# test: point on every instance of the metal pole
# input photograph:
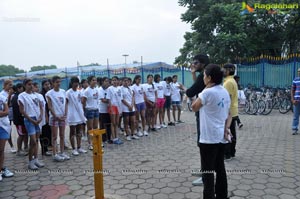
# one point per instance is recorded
(108, 72)
(97, 159)
(142, 68)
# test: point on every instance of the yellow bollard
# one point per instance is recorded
(97, 157)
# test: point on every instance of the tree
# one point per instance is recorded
(220, 30)
(9, 70)
(37, 68)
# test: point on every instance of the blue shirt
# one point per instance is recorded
(296, 88)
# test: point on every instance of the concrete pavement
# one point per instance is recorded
(160, 166)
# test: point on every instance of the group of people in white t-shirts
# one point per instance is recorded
(90, 104)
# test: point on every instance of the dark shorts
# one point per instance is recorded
(167, 102)
(30, 127)
(21, 130)
(92, 114)
(140, 106)
(176, 103)
(126, 114)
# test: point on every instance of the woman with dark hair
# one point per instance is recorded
(32, 109)
(19, 122)
(167, 105)
(213, 104)
(160, 85)
(75, 116)
(114, 94)
(90, 100)
(45, 137)
(140, 105)
(150, 96)
(58, 111)
(8, 92)
(104, 117)
(82, 86)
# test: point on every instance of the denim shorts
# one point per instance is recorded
(31, 128)
(140, 106)
(92, 114)
(177, 103)
(3, 134)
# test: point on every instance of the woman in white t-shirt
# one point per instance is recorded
(5, 129)
(215, 119)
(167, 105)
(83, 85)
(105, 122)
(176, 87)
(75, 116)
(90, 100)
(32, 109)
(140, 105)
(128, 108)
(115, 109)
(58, 111)
(160, 102)
(150, 99)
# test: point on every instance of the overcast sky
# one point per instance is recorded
(62, 32)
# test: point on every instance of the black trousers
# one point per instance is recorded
(45, 138)
(212, 161)
(230, 147)
(105, 123)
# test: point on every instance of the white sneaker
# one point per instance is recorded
(135, 137)
(32, 166)
(6, 173)
(13, 150)
(157, 127)
(90, 147)
(140, 134)
(128, 138)
(80, 150)
(65, 156)
(0, 177)
(38, 163)
(58, 158)
(146, 133)
(75, 152)
(164, 126)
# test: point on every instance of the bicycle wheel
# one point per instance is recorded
(261, 106)
(252, 107)
(268, 108)
(285, 106)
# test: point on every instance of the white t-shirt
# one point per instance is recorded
(150, 90)
(4, 121)
(127, 94)
(58, 100)
(31, 104)
(160, 89)
(103, 107)
(213, 113)
(92, 98)
(4, 93)
(175, 90)
(42, 100)
(114, 94)
(167, 89)
(75, 110)
(138, 93)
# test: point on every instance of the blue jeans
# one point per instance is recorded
(296, 116)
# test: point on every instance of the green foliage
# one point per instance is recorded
(37, 68)
(9, 70)
(219, 30)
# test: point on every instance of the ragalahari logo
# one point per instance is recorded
(246, 9)
(271, 8)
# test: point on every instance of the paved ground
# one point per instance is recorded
(160, 166)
